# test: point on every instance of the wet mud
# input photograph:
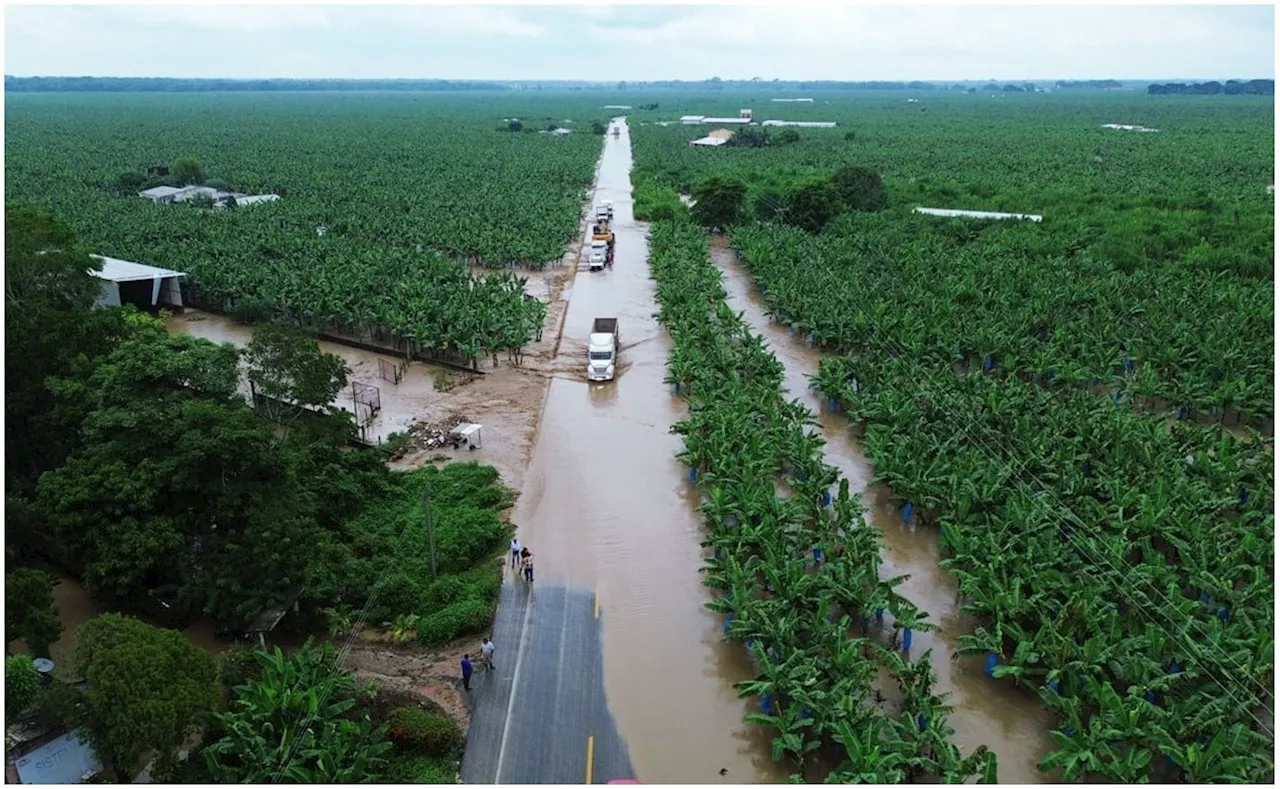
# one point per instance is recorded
(1008, 720)
(606, 504)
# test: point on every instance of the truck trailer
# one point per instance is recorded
(602, 349)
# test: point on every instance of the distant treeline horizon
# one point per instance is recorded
(195, 85)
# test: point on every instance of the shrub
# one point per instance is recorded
(422, 770)
(445, 591)
(237, 665)
(457, 619)
(248, 310)
(21, 685)
(418, 731)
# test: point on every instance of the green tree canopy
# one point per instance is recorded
(788, 137)
(750, 137)
(179, 487)
(718, 202)
(49, 330)
(287, 365)
(860, 188)
(30, 612)
(186, 170)
(147, 688)
(813, 204)
(21, 685)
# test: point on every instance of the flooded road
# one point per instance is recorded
(606, 504)
(1011, 722)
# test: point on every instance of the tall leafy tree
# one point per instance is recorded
(21, 685)
(718, 202)
(186, 170)
(30, 612)
(179, 487)
(286, 365)
(147, 689)
(860, 188)
(49, 330)
(812, 204)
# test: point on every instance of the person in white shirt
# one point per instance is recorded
(515, 552)
(486, 654)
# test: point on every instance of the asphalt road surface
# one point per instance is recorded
(541, 716)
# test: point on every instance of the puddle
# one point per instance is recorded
(606, 504)
(1009, 721)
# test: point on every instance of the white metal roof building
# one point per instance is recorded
(692, 118)
(791, 100)
(739, 121)
(160, 194)
(125, 282)
(810, 124)
(977, 214)
(710, 141)
(254, 199)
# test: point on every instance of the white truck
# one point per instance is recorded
(602, 349)
(597, 255)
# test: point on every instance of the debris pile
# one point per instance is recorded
(432, 435)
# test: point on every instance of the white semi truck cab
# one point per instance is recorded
(602, 349)
(597, 255)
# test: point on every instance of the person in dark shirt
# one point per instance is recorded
(466, 672)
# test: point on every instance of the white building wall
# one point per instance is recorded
(110, 296)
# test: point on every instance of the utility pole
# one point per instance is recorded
(431, 531)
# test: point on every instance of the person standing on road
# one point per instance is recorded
(466, 672)
(486, 653)
(515, 552)
(528, 567)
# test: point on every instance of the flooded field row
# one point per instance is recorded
(1011, 722)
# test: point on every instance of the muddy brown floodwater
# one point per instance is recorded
(1009, 721)
(506, 401)
(606, 504)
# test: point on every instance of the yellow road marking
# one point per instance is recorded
(591, 756)
(597, 605)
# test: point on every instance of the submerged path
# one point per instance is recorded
(1009, 721)
(608, 513)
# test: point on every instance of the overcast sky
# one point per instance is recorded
(643, 42)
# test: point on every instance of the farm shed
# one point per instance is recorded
(146, 287)
(977, 214)
(808, 124)
(562, 132)
(709, 142)
(727, 121)
(617, 106)
(1127, 127)
(780, 101)
(160, 194)
(692, 119)
(252, 199)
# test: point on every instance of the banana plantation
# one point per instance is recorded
(1083, 408)
(796, 570)
(382, 197)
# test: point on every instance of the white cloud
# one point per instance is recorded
(459, 20)
(224, 18)
(650, 42)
